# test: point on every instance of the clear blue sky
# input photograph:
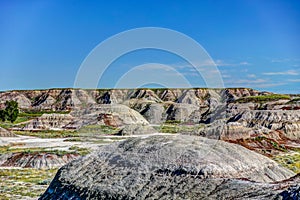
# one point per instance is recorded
(256, 43)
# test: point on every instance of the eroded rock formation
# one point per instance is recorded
(36, 160)
(50, 122)
(66, 99)
(6, 133)
(169, 167)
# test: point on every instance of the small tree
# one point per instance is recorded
(2, 115)
(11, 111)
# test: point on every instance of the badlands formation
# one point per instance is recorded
(221, 147)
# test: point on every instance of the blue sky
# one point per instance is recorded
(254, 43)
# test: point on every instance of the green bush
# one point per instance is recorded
(2, 115)
(10, 112)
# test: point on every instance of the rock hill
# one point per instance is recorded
(155, 105)
(36, 160)
(227, 114)
(66, 99)
(169, 167)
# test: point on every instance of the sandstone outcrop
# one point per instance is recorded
(169, 167)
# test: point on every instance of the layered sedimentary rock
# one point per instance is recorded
(36, 160)
(102, 114)
(220, 111)
(50, 122)
(287, 121)
(253, 122)
(169, 167)
(108, 114)
(6, 133)
(66, 99)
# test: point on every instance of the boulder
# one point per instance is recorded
(168, 167)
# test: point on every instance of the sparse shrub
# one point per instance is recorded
(173, 122)
(263, 98)
(295, 100)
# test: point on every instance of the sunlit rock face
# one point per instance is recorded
(66, 99)
(121, 107)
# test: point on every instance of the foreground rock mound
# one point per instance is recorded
(167, 167)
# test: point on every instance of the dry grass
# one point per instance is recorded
(21, 183)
